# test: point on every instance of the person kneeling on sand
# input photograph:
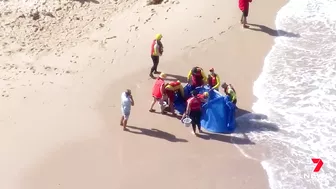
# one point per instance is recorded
(126, 102)
(196, 77)
(157, 92)
(230, 91)
(193, 111)
(170, 90)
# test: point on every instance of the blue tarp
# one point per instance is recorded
(218, 114)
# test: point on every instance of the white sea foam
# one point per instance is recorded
(297, 92)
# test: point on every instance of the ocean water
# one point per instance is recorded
(295, 114)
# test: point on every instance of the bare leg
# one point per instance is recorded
(172, 110)
(122, 121)
(245, 22)
(152, 105)
(241, 19)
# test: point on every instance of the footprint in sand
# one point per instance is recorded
(74, 58)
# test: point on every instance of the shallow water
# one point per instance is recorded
(297, 92)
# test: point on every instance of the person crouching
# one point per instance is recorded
(170, 90)
(194, 105)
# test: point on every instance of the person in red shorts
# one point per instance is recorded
(244, 7)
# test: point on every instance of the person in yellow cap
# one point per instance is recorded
(157, 92)
(196, 77)
(170, 90)
(213, 79)
(156, 52)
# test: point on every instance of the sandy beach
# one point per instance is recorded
(60, 103)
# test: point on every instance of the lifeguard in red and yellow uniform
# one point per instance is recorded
(170, 90)
(156, 52)
(196, 77)
(213, 79)
(158, 91)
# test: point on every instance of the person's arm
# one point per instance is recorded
(181, 90)
(189, 76)
(232, 94)
(132, 100)
(162, 89)
(188, 109)
(205, 78)
(217, 84)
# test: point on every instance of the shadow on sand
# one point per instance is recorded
(247, 122)
(270, 31)
(226, 138)
(179, 117)
(182, 79)
(155, 133)
(87, 1)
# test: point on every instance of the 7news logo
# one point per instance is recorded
(318, 163)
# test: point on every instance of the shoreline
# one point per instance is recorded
(80, 131)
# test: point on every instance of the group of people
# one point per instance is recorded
(164, 93)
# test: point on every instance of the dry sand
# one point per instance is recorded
(60, 106)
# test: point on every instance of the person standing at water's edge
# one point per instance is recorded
(127, 102)
(156, 52)
(230, 91)
(244, 7)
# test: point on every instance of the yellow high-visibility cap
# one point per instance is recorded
(163, 75)
(158, 36)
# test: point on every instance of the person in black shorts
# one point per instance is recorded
(194, 112)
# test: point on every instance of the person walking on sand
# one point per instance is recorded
(156, 52)
(126, 102)
(157, 92)
(244, 7)
(193, 111)
(213, 79)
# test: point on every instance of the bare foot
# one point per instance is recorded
(245, 26)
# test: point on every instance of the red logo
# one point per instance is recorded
(319, 164)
